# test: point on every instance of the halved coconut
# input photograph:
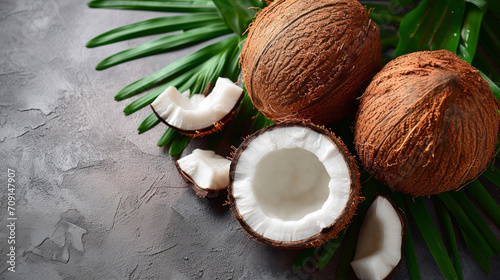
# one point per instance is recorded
(206, 172)
(198, 115)
(380, 241)
(293, 185)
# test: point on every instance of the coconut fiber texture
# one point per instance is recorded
(308, 59)
(427, 123)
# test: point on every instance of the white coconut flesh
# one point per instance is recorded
(378, 249)
(197, 112)
(290, 183)
(207, 169)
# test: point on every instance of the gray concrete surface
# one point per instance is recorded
(95, 200)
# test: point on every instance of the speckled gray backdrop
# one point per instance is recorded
(95, 200)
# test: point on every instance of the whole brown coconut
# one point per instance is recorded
(427, 123)
(308, 59)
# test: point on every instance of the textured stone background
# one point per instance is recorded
(95, 199)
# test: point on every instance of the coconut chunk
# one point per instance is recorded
(293, 185)
(206, 171)
(380, 241)
(198, 115)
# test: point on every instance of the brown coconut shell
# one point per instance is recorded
(427, 123)
(201, 192)
(308, 59)
(217, 126)
(328, 232)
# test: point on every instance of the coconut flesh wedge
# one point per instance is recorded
(380, 241)
(206, 172)
(293, 185)
(198, 115)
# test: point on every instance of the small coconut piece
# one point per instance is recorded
(427, 123)
(293, 185)
(198, 115)
(206, 172)
(380, 241)
(308, 59)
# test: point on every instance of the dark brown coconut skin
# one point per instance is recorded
(328, 232)
(427, 123)
(204, 130)
(308, 59)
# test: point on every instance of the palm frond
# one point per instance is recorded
(165, 44)
(152, 27)
(156, 5)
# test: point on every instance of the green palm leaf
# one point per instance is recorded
(238, 14)
(155, 5)
(165, 44)
(447, 226)
(431, 236)
(433, 25)
(470, 33)
(147, 99)
(175, 68)
(485, 200)
(476, 252)
(152, 27)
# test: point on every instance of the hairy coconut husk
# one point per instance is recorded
(427, 123)
(329, 231)
(308, 59)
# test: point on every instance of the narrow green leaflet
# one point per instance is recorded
(485, 200)
(469, 34)
(148, 123)
(493, 175)
(329, 250)
(409, 247)
(447, 226)
(493, 86)
(477, 219)
(152, 27)
(165, 44)
(431, 236)
(489, 43)
(487, 56)
(237, 14)
(387, 15)
(433, 25)
(465, 222)
(175, 68)
(260, 121)
(232, 71)
(147, 99)
(178, 145)
(167, 137)
(481, 4)
(476, 252)
(155, 5)
(304, 257)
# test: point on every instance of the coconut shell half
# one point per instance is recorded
(205, 172)
(199, 114)
(293, 185)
